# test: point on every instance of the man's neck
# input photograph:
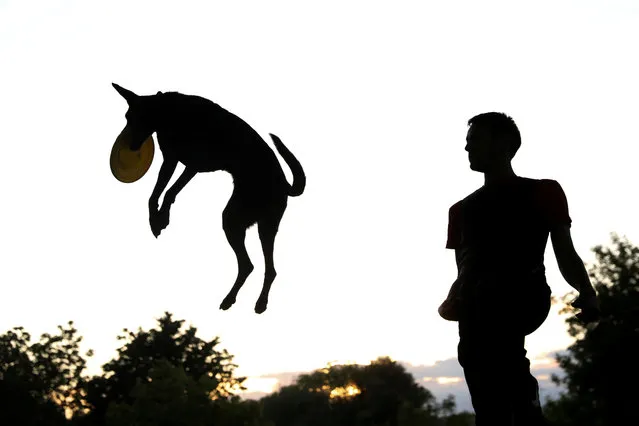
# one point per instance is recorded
(500, 175)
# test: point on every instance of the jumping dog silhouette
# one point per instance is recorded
(205, 137)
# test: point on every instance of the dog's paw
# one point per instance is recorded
(159, 221)
(155, 226)
(227, 302)
(260, 306)
(153, 223)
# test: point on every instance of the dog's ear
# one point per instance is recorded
(126, 94)
(158, 93)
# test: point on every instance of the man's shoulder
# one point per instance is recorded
(542, 181)
(458, 205)
(541, 185)
(466, 198)
(455, 207)
(538, 182)
(475, 194)
(548, 187)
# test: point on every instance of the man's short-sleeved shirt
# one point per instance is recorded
(505, 226)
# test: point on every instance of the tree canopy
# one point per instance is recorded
(381, 393)
(600, 368)
(168, 376)
(169, 351)
(41, 382)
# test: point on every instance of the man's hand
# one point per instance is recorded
(589, 304)
(449, 309)
(574, 272)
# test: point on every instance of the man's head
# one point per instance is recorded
(492, 141)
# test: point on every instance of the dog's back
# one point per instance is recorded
(203, 135)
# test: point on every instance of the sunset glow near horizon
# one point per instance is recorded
(371, 97)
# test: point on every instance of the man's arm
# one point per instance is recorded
(456, 286)
(449, 309)
(573, 270)
(570, 264)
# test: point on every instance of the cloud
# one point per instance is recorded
(447, 377)
(443, 378)
(285, 378)
(253, 395)
(445, 368)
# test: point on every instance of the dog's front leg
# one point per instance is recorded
(164, 177)
(169, 198)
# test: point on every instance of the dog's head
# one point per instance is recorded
(140, 118)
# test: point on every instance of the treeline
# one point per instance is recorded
(168, 376)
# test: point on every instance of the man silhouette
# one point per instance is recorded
(499, 234)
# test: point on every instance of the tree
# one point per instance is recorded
(388, 388)
(600, 367)
(40, 382)
(381, 393)
(172, 398)
(447, 413)
(296, 406)
(125, 377)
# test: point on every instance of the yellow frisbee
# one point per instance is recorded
(128, 166)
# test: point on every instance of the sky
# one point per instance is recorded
(372, 97)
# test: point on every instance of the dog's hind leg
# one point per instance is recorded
(235, 230)
(267, 229)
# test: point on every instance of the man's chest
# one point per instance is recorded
(507, 215)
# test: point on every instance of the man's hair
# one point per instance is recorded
(499, 125)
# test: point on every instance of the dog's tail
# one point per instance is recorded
(299, 178)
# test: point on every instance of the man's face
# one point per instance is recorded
(484, 152)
